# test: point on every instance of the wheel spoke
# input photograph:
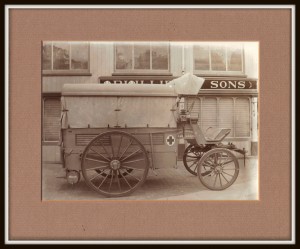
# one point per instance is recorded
(112, 149)
(99, 167)
(224, 177)
(133, 153)
(124, 179)
(192, 164)
(97, 174)
(100, 155)
(104, 180)
(216, 158)
(131, 141)
(133, 176)
(227, 174)
(118, 181)
(206, 173)
(220, 180)
(208, 163)
(112, 177)
(226, 162)
(211, 160)
(137, 160)
(132, 168)
(215, 181)
(104, 148)
(120, 145)
(195, 168)
(95, 160)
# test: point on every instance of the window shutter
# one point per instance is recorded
(242, 117)
(226, 114)
(209, 113)
(52, 112)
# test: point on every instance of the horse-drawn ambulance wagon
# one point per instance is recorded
(113, 134)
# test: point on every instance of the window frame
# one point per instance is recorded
(211, 72)
(141, 71)
(70, 71)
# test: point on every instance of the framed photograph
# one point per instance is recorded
(172, 126)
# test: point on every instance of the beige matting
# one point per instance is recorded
(266, 219)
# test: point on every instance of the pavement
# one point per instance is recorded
(169, 184)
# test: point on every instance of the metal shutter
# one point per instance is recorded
(209, 113)
(52, 112)
(242, 117)
(226, 114)
(194, 106)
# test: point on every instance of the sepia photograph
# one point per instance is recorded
(150, 120)
(150, 124)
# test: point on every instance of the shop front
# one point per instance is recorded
(222, 102)
(228, 97)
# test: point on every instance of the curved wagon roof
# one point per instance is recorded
(187, 84)
(118, 90)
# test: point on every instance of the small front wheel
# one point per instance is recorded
(218, 169)
(191, 157)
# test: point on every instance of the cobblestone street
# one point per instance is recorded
(169, 184)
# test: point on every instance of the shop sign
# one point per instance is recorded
(229, 84)
(208, 84)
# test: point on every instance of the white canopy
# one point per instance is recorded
(187, 84)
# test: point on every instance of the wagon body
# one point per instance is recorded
(148, 112)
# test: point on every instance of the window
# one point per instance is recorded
(51, 119)
(218, 58)
(142, 57)
(222, 112)
(65, 57)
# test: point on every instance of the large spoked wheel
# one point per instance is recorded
(114, 164)
(191, 156)
(218, 169)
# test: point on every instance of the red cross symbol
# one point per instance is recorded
(170, 140)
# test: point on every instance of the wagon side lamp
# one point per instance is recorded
(73, 177)
(184, 116)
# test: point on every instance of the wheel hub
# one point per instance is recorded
(115, 164)
(218, 169)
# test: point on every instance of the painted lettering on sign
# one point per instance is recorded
(229, 84)
(134, 82)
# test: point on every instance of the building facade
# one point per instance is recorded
(227, 99)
